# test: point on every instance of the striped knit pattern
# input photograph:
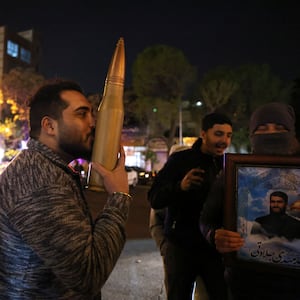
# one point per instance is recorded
(49, 246)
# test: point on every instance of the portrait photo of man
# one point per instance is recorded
(277, 223)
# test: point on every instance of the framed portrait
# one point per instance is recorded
(262, 203)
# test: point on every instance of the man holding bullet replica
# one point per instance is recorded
(50, 246)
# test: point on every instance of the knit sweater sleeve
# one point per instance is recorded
(80, 253)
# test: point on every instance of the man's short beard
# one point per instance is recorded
(279, 213)
(76, 151)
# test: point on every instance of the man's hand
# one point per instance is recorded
(115, 180)
(228, 241)
(194, 178)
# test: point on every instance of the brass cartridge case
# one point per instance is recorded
(109, 119)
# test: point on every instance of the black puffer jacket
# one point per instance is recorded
(184, 207)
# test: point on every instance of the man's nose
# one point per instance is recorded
(226, 140)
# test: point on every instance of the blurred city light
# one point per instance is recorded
(1, 154)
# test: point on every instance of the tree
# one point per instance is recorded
(19, 84)
(216, 88)
(238, 92)
(257, 86)
(161, 78)
(295, 102)
(17, 87)
(132, 118)
(95, 100)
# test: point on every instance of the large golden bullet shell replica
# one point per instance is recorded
(109, 120)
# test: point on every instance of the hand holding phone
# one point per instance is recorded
(193, 179)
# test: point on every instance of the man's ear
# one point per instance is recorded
(48, 125)
(202, 133)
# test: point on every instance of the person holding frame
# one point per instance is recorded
(272, 132)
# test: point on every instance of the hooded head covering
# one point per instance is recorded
(282, 143)
(273, 112)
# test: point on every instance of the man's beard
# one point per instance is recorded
(273, 143)
(74, 147)
(75, 150)
(282, 211)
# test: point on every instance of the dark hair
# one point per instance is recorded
(280, 194)
(47, 102)
(214, 118)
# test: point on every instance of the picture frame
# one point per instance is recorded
(249, 181)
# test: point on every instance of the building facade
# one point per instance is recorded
(19, 49)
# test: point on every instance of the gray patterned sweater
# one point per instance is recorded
(49, 246)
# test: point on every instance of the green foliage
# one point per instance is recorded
(10, 153)
(216, 93)
(133, 116)
(20, 84)
(161, 72)
(295, 102)
(238, 92)
(151, 155)
(257, 85)
(161, 79)
(17, 87)
(240, 139)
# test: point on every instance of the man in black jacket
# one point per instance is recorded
(181, 186)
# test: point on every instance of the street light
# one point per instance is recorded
(184, 104)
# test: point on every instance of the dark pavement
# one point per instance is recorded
(138, 274)
(137, 224)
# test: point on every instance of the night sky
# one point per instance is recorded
(79, 38)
